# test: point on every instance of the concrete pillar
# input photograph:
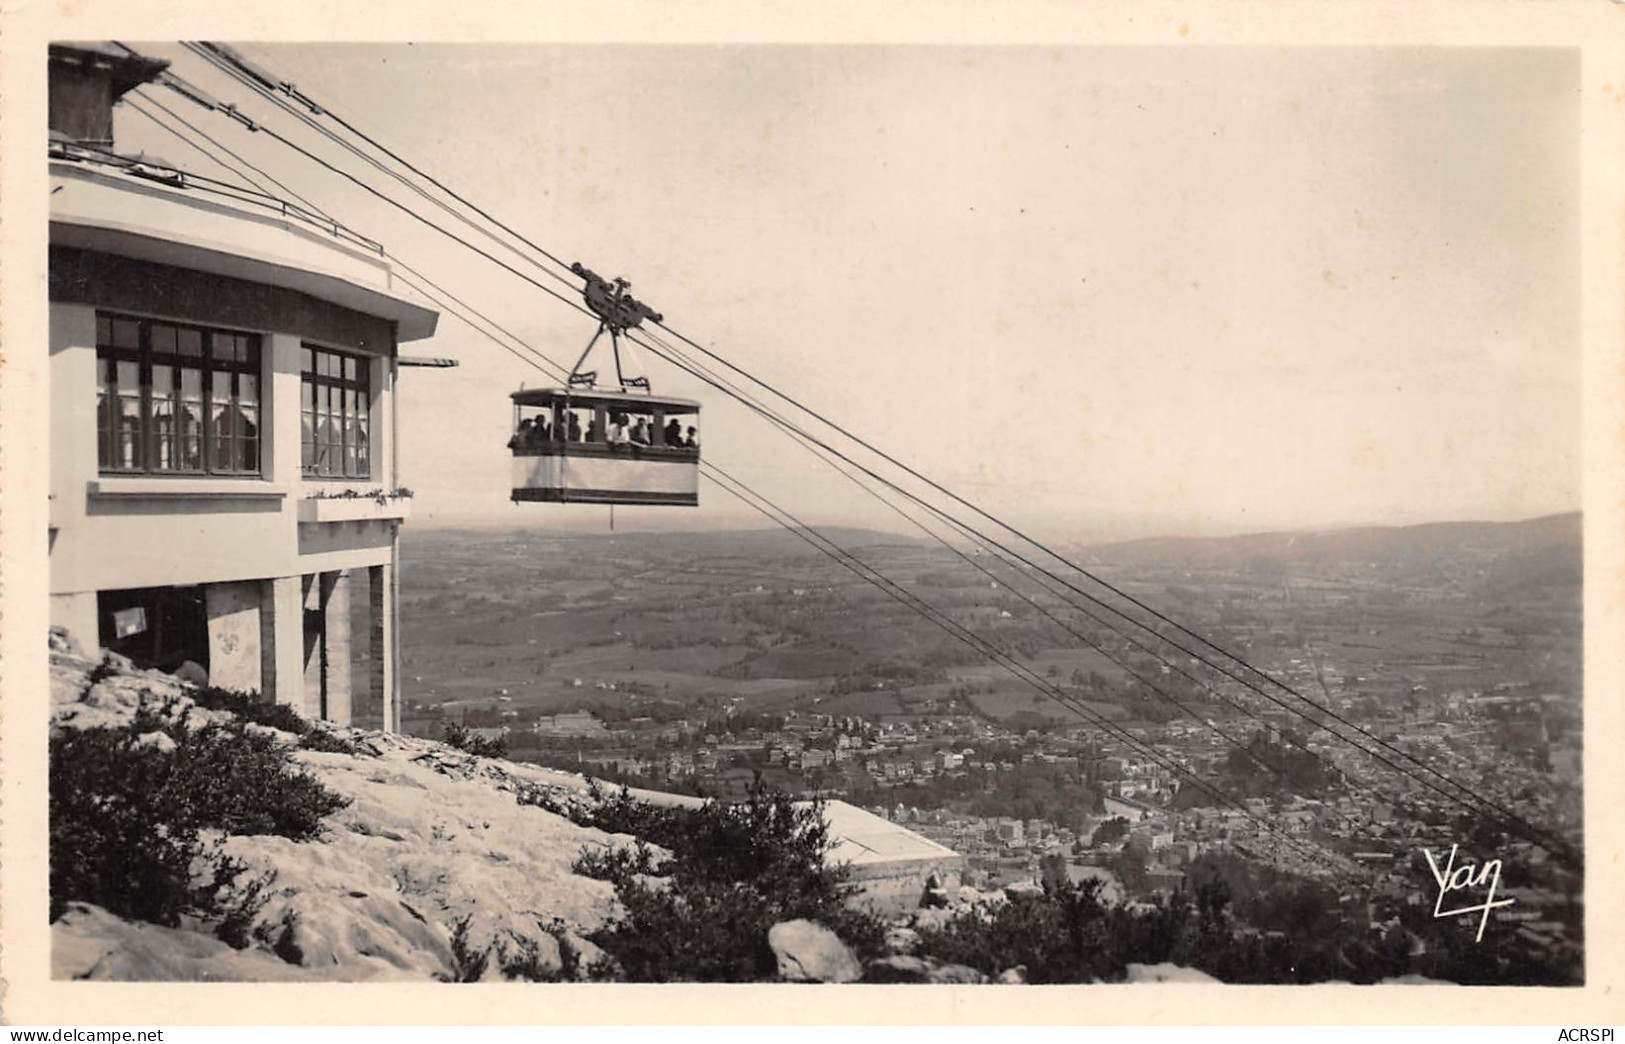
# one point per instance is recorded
(314, 588)
(234, 635)
(382, 638)
(337, 641)
(282, 640)
(76, 613)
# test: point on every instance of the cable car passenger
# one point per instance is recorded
(673, 433)
(640, 431)
(522, 436)
(574, 426)
(693, 440)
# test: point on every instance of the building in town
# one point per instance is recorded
(223, 364)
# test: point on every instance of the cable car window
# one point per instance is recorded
(575, 425)
(534, 432)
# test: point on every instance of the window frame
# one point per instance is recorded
(208, 362)
(316, 410)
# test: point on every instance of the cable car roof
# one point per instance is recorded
(632, 401)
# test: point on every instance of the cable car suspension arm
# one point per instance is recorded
(617, 312)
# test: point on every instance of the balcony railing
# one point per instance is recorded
(174, 177)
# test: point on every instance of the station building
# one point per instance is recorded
(223, 433)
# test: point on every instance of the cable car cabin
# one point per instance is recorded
(599, 447)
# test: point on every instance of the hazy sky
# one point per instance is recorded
(1106, 291)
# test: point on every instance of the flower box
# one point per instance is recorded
(353, 509)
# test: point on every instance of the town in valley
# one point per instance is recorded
(706, 663)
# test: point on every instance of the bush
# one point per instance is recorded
(519, 959)
(468, 964)
(523, 960)
(248, 706)
(457, 736)
(735, 871)
(128, 804)
(1292, 931)
(1065, 935)
(327, 742)
(236, 925)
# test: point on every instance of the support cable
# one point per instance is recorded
(947, 623)
(699, 370)
(177, 117)
(1512, 821)
(1471, 795)
(231, 67)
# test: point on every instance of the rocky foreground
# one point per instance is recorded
(434, 871)
(432, 837)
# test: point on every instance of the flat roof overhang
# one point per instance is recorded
(158, 230)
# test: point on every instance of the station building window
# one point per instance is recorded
(176, 399)
(335, 414)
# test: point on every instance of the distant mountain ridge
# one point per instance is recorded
(707, 542)
(1548, 531)
(1506, 561)
(1554, 537)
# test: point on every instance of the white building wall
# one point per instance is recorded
(77, 615)
(149, 531)
(249, 542)
(71, 448)
(73, 409)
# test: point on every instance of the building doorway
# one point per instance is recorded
(156, 627)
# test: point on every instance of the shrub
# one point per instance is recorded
(248, 706)
(110, 843)
(457, 736)
(281, 938)
(240, 782)
(735, 871)
(468, 964)
(523, 960)
(236, 927)
(128, 804)
(1065, 935)
(328, 742)
(519, 959)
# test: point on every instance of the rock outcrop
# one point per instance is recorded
(433, 840)
(809, 952)
(87, 942)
